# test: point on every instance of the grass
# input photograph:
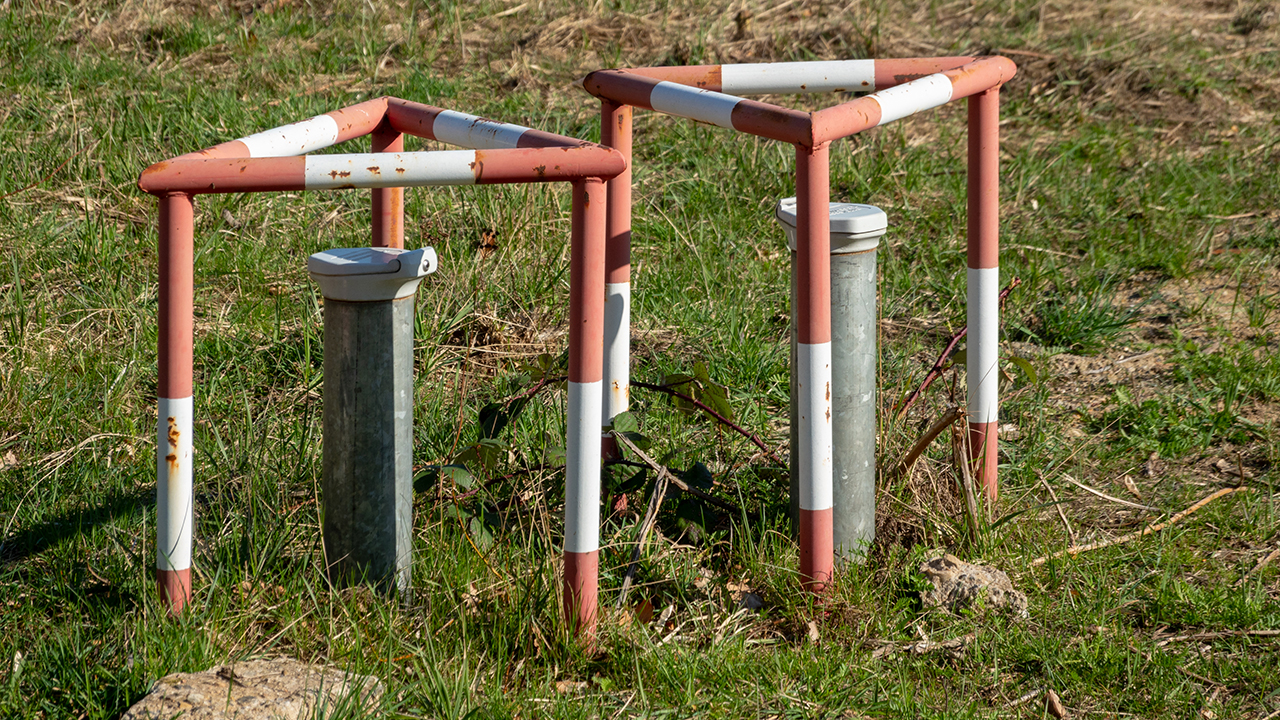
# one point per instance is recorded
(1139, 149)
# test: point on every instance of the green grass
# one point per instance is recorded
(1137, 208)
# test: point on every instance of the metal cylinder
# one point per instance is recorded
(855, 236)
(368, 411)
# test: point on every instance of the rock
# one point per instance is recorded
(958, 585)
(279, 689)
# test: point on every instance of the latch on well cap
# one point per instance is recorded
(370, 274)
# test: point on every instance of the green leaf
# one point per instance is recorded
(640, 441)
(491, 452)
(700, 372)
(716, 397)
(625, 422)
(480, 533)
(493, 418)
(459, 475)
(1024, 365)
(960, 357)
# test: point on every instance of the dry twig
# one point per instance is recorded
(755, 439)
(642, 535)
(950, 416)
(1105, 496)
(1261, 564)
(1157, 527)
(696, 492)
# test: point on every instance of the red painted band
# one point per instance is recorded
(229, 149)
(360, 119)
(175, 588)
(177, 289)
(703, 77)
(586, 282)
(813, 245)
(817, 549)
(622, 87)
(773, 122)
(981, 74)
(984, 180)
(387, 203)
(615, 132)
(897, 71)
(984, 452)
(845, 119)
(581, 593)
(410, 117)
(547, 164)
(224, 175)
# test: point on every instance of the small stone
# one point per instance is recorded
(279, 689)
(958, 585)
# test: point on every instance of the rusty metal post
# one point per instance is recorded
(368, 410)
(174, 508)
(982, 368)
(387, 203)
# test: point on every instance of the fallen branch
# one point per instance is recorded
(660, 469)
(950, 350)
(1218, 635)
(642, 535)
(1071, 535)
(960, 455)
(1105, 496)
(920, 647)
(1261, 564)
(755, 439)
(950, 416)
(1157, 527)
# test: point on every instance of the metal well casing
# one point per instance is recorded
(368, 410)
(855, 236)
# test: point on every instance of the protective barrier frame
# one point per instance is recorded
(898, 88)
(276, 160)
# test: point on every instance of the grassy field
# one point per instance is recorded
(1139, 196)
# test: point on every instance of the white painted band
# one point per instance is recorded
(617, 350)
(299, 138)
(983, 354)
(813, 378)
(927, 92)
(582, 469)
(799, 77)
(173, 484)
(375, 170)
(688, 102)
(470, 131)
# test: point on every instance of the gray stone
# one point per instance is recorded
(958, 585)
(279, 689)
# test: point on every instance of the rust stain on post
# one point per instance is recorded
(174, 435)
(375, 169)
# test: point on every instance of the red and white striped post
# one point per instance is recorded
(275, 160)
(899, 87)
(583, 453)
(615, 132)
(813, 364)
(175, 511)
(984, 285)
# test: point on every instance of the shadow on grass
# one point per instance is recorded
(53, 532)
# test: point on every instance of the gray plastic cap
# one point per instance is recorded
(854, 227)
(370, 274)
